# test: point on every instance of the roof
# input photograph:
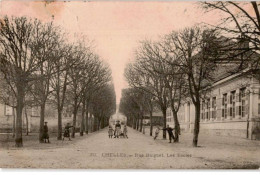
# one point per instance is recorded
(156, 113)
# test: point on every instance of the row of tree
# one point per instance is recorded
(182, 65)
(39, 65)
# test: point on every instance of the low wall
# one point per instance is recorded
(52, 123)
(6, 123)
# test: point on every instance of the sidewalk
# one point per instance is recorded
(32, 141)
(216, 148)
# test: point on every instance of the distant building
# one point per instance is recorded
(157, 119)
(7, 118)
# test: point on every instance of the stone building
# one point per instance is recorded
(7, 118)
(157, 118)
(32, 116)
(230, 107)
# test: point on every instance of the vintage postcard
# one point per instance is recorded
(129, 84)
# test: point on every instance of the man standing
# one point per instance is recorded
(169, 129)
(45, 133)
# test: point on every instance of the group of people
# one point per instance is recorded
(117, 132)
(46, 137)
(169, 130)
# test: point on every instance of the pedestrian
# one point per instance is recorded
(45, 135)
(156, 133)
(125, 132)
(110, 132)
(169, 129)
(67, 131)
(117, 129)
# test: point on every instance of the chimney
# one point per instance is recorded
(243, 42)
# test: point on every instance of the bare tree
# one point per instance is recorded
(19, 64)
(130, 106)
(176, 83)
(76, 76)
(241, 19)
(195, 50)
(143, 74)
(96, 77)
(104, 105)
(240, 23)
(59, 79)
(44, 47)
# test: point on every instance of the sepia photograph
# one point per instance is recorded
(129, 85)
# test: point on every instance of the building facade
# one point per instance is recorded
(231, 107)
(157, 119)
(30, 118)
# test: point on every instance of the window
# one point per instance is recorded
(233, 104)
(202, 110)
(224, 106)
(8, 110)
(214, 108)
(208, 109)
(258, 108)
(242, 99)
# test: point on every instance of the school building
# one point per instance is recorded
(231, 107)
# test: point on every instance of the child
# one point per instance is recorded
(110, 132)
(125, 131)
(157, 130)
(67, 131)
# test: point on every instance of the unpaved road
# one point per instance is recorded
(140, 151)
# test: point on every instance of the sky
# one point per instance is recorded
(116, 28)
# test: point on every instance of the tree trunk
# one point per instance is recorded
(151, 123)
(133, 123)
(137, 124)
(19, 110)
(164, 122)
(141, 123)
(74, 123)
(99, 123)
(92, 123)
(90, 129)
(42, 115)
(102, 122)
(86, 122)
(95, 124)
(196, 125)
(27, 123)
(82, 118)
(13, 122)
(176, 126)
(59, 124)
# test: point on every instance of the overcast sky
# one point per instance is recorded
(115, 27)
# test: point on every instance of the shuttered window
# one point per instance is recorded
(243, 101)
(224, 106)
(214, 108)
